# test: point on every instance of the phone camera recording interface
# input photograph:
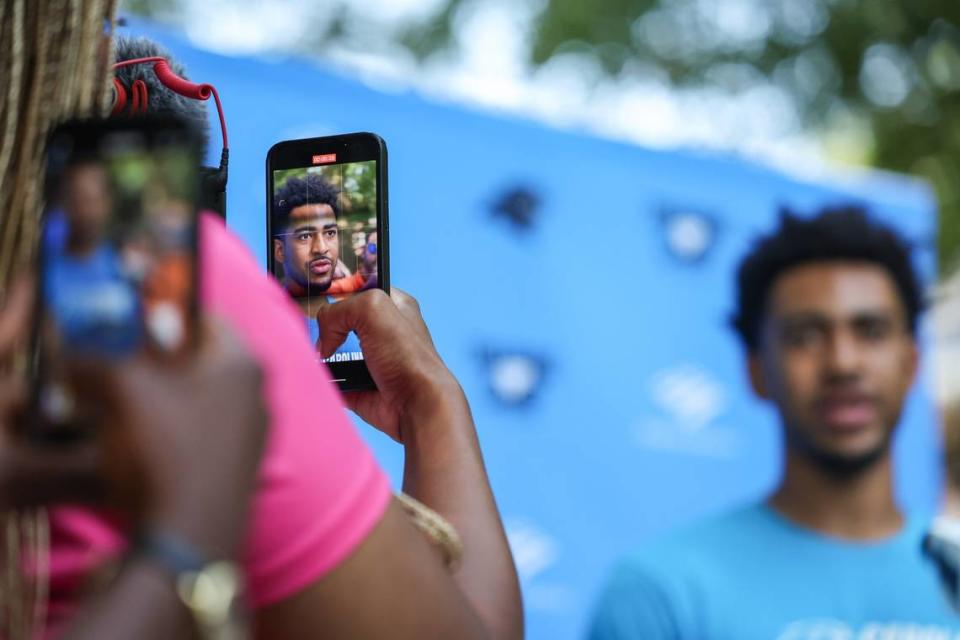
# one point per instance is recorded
(117, 255)
(326, 233)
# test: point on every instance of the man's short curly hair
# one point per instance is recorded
(834, 234)
(296, 192)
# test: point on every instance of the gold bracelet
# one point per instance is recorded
(438, 530)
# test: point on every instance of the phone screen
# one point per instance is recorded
(326, 233)
(117, 272)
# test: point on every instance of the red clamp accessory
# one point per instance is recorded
(170, 80)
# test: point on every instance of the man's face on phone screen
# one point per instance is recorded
(87, 203)
(309, 249)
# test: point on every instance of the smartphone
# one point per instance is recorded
(327, 231)
(117, 272)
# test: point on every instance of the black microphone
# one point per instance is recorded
(162, 101)
(213, 189)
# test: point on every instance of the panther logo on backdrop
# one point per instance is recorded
(690, 395)
(688, 401)
(688, 235)
(535, 552)
(514, 378)
(519, 206)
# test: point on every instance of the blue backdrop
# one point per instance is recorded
(579, 289)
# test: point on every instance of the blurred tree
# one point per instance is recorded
(878, 81)
(891, 67)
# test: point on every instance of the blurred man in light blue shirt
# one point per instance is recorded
(827, 310)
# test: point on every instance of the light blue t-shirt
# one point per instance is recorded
(96, 307)
(751, 574)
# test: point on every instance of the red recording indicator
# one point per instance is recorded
(324, 158)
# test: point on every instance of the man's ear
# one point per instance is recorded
(758, 380)
(278, 252)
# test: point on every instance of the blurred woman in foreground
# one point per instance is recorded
(252, 466)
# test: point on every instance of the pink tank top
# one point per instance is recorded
(320, 491)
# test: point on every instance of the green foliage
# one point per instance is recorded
(433, 34)
(834, 57)
(883, 75)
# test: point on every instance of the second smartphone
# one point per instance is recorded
(118, 260)
(327, 231)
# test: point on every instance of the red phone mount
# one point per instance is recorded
(171, 81)
(215, 179)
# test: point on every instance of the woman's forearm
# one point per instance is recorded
(444, 470)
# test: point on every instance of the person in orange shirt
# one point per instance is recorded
(366, 275)
(168, 283)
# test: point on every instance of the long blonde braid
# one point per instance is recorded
(53, 65)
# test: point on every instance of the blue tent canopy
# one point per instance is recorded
(579, 288)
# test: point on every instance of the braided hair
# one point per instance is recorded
(56, 66)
